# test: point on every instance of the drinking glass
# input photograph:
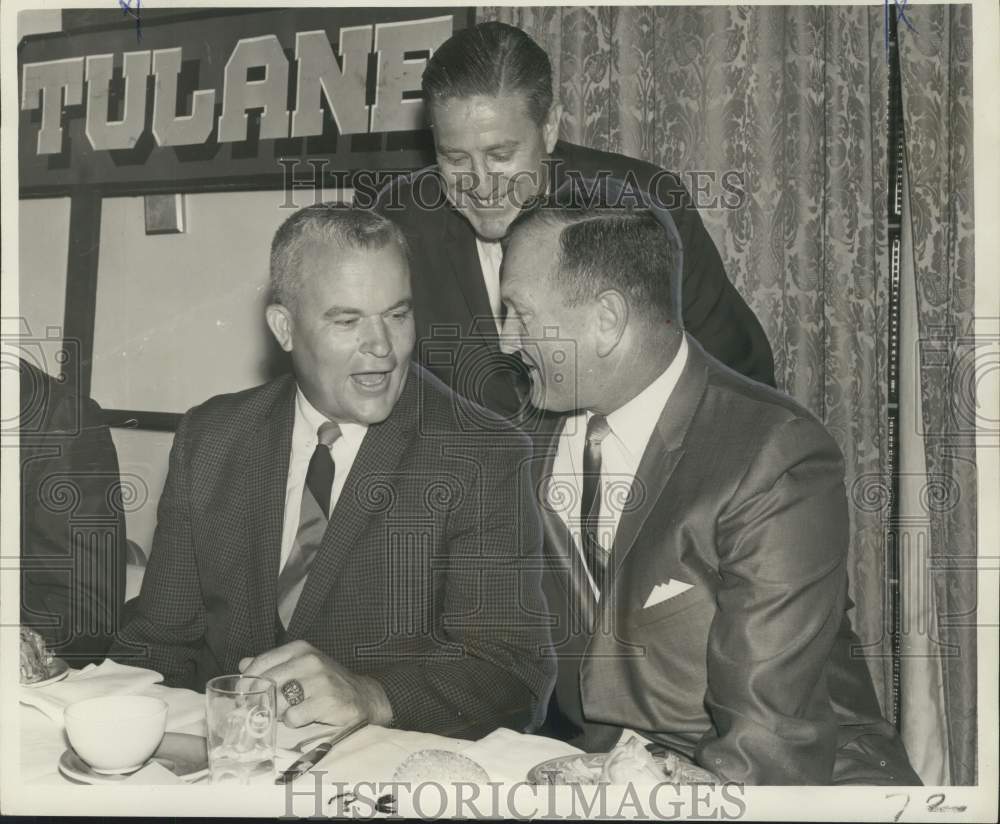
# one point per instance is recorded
(241, 715)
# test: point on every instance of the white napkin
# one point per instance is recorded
(185, 708)
(374, 753)
(370, 754)
(93, 681)
(507, 755)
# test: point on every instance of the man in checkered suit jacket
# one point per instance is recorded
(422, 606)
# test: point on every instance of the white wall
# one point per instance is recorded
(180, 317)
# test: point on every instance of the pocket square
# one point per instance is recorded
(666, 591)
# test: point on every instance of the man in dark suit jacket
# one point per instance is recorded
(696, 525)
(489, 93)
(416, 601)
(73, 549)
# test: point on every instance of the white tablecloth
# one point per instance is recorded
(372, 754)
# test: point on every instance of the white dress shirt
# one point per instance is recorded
(344, 450)
(621, 451)
(490, 258)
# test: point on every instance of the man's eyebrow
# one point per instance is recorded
(341, 310)
(350, 310)
(512, 143)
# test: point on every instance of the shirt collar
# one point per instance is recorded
(633, 423)
(308, 420)
(491, 248)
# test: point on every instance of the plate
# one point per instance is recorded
(186, 756)
(586, 769)
(58, 670)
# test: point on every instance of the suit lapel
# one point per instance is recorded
(462, 254)
(380, 455)
(665, 449)
(267, 477)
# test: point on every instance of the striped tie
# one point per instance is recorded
(313, 516)
(590, 504)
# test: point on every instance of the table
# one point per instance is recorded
(351, 781)
(371, 754)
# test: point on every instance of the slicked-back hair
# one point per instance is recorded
(332, 223)
(626, 249)
(494, 60)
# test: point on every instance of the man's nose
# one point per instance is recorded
(375, 338)
(484, 181)
(510, 336)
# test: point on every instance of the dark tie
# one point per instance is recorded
(313, 517)
(590, 502)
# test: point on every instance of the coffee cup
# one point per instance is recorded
(116, 733)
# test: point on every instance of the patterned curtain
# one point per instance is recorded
(793, 102)
(936, 60)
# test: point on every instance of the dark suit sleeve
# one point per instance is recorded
(489, 669)
(782, 555)
(168, 627)
(73, 531)
(714, 311)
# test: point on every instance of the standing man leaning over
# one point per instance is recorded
(695, 524)
(351, 530)
(496, 127)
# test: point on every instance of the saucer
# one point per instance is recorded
(58, 670)
(186, 756)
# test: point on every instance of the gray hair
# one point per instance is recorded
(335, 223)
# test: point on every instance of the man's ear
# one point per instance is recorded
(612, 320)
(550, 129)
(279, 320)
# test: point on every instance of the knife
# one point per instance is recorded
(316, 754)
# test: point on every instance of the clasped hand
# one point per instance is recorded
(333, 694)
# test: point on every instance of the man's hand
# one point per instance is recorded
(333, 694)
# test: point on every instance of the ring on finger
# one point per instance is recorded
(293, 692)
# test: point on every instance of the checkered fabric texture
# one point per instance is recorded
(428, 578)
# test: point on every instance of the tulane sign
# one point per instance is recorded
(226, 97)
